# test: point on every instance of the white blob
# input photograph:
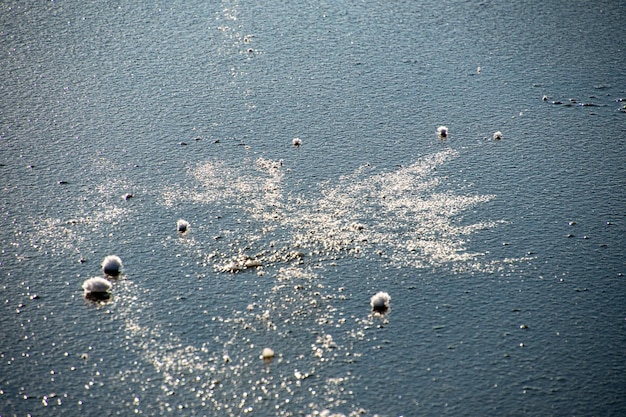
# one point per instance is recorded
(112, 265)
(268, 354)
(380, 302)
(497, 135)
(182, 225)
(442, 132)
(96, 285)
(296, 141)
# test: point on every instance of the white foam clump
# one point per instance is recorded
(182, 225)
(112, 265)
(267, 354)
(442, 132)
(96, 285)
(380, 302)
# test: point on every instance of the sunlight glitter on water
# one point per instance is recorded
(401, 217)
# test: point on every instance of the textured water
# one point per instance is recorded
(504, 260)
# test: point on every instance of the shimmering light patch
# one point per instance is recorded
(402, 216)
(226, 375)
(96, 212)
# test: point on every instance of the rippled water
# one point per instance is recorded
(504, 260)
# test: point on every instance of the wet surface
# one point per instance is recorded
(502, 259)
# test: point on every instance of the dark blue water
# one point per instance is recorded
(504, 259)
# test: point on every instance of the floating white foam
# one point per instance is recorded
(96, 285)
(112, 265)
(182, 225)
(380, 302)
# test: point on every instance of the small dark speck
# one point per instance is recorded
(182, 143)
(63, 182)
